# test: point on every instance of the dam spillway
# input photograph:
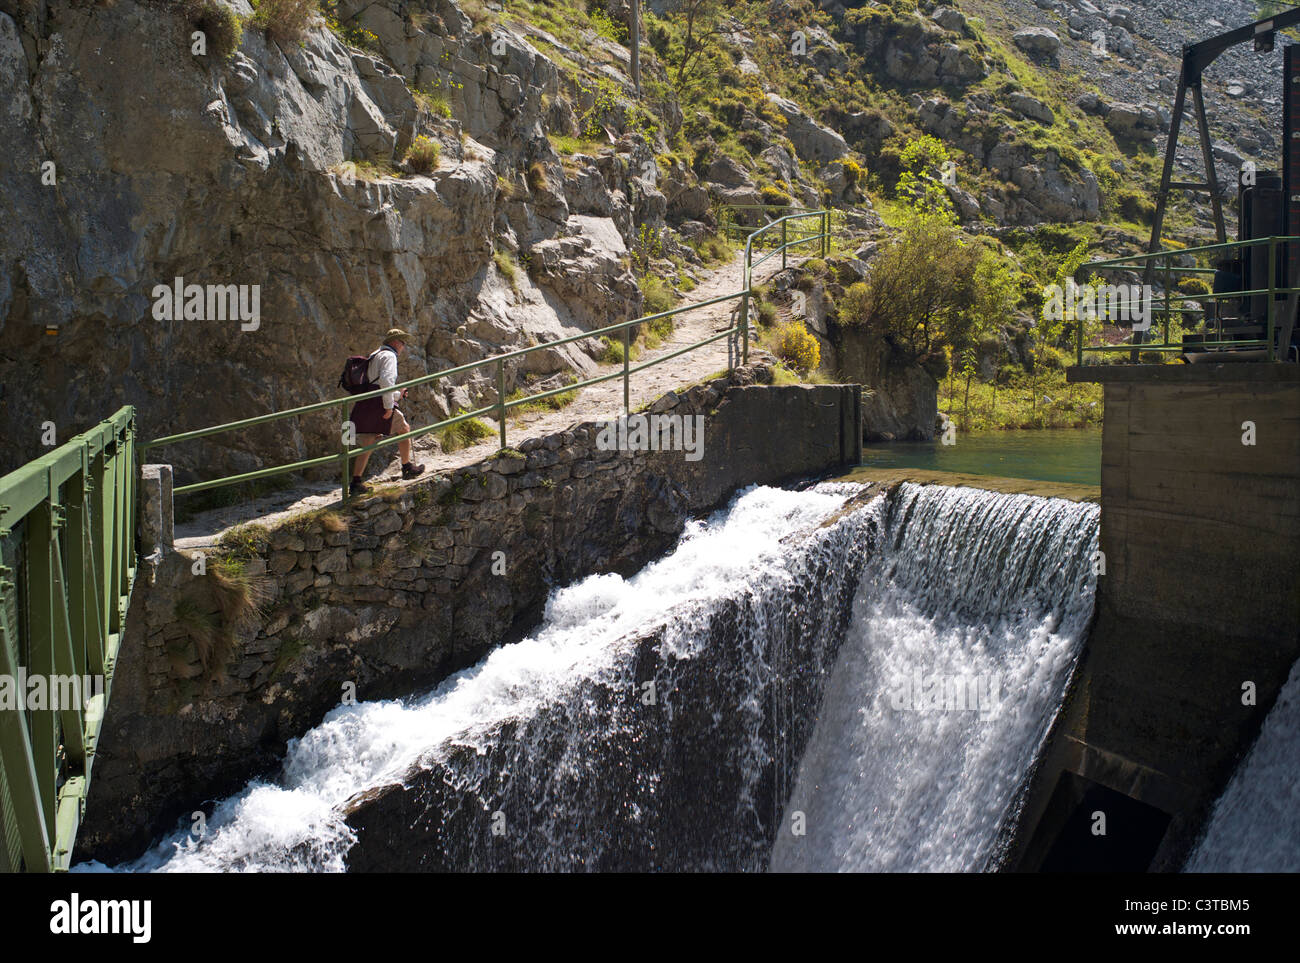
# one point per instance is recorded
(691, 716)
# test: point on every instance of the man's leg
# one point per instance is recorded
(359, 463)
(409, 470)
(400, 427)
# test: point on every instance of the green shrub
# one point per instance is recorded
(434, 102)
(509, 270)
(284, 21)
(422, 155)
(221, 26)
(464, 434)
(1135, 207)
(796, 347)
(713, 249)
(657, 294)
(775, 196)
(608, 27)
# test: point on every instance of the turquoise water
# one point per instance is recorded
(1053, 454)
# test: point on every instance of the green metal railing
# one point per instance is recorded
(67, 563)
(501, 407)
(1173, 303)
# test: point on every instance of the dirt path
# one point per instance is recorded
(595, 403)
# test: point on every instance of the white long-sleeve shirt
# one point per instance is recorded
(382, 371)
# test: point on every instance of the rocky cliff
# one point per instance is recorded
(278, 165)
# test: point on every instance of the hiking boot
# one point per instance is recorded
(412, 470)
(358, 487)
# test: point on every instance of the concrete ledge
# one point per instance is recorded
(1182, 373)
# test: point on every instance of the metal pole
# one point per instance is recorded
(346, 467)
(634, 32)
(627, 361)
(744, 325)
(1272, 293)
(784, 222)
(501, 399)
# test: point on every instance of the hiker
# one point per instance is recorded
(379, 417)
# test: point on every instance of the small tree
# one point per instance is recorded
(1050, 327)
(700, 24)
(920, 184)
(920, 290)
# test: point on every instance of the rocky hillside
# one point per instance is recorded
(487, 176)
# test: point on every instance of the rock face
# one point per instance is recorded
(399, 591)
(1042, 186)
(811, 140)
(267, 171)
(916, 52)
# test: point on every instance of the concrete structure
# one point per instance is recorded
(1198, 612)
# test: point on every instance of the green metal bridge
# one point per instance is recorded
(68, 560)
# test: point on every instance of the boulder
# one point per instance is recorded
(950, 19)
(1131, 122)
(727, 171)
(811, 140)
(1031, 107)
(1037, 41)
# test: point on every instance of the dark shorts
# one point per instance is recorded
(368, 416)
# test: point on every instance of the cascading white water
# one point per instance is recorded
(741, 627)
(1255, 827)
(297, 822)
(985, 596)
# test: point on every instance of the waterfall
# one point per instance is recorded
(964, 635)
(1255, 826)
(681, 719)
(549, 712)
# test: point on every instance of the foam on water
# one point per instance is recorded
(295, 823)
(975, 587)
(1255, 827)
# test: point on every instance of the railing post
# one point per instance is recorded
(826, 233)
(345, 463)
(1272, 293)
(784, 222)
(627, 365)
(1169, 294)
(744, 325)
(501, 399)
(1078, 347)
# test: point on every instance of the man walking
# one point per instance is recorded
(379, 417)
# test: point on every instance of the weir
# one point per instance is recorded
(689, 717)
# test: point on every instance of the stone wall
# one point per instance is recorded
(393, 593)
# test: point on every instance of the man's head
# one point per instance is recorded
(397, 339)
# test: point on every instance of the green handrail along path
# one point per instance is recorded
(67, 564)
(1274, 301)
(808, 227)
